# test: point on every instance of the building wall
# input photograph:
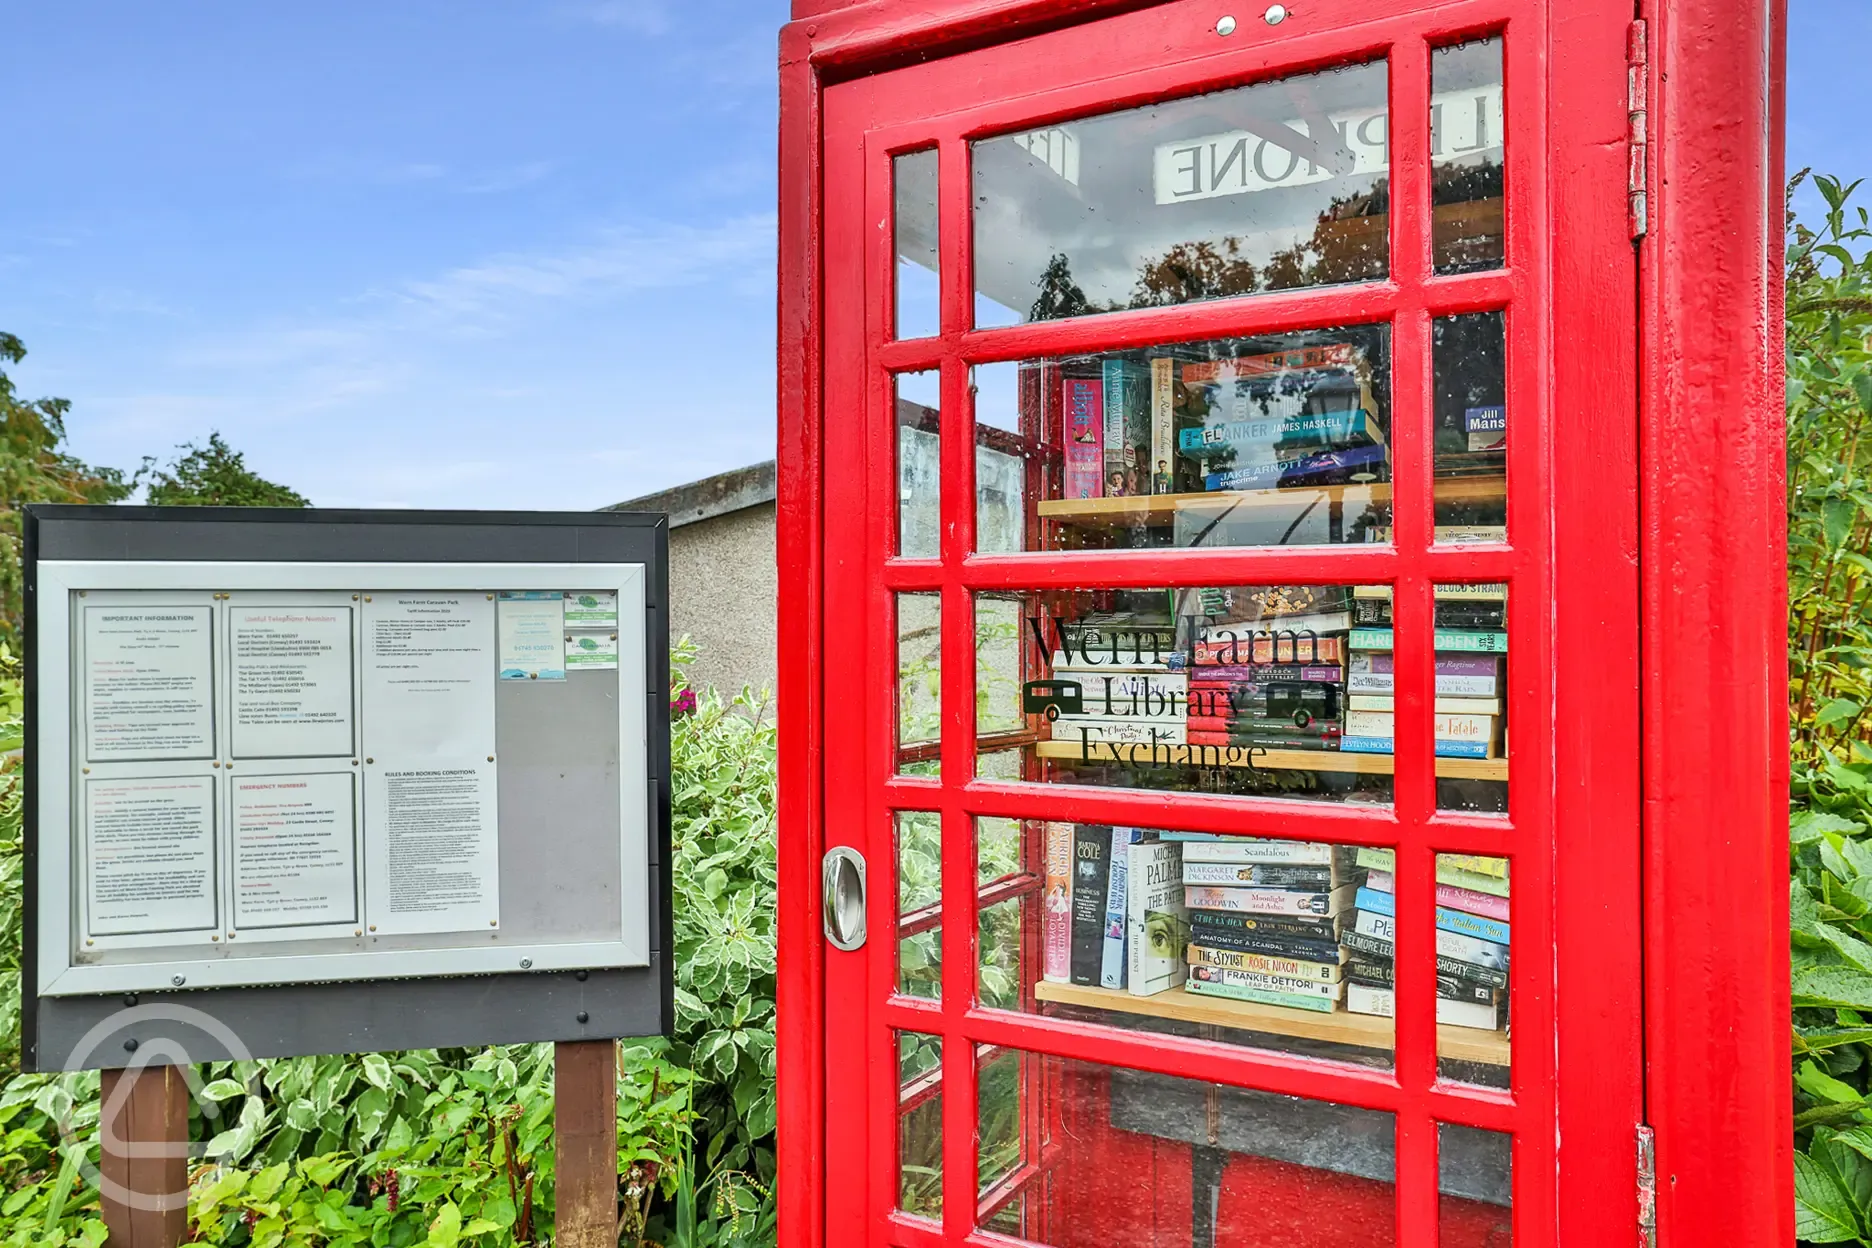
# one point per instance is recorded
(723, 587)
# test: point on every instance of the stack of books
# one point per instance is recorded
(1470, 643)
(1112, 911)
(1268, 670)
(1264, 919)
(1471, 940)
(1129, 693)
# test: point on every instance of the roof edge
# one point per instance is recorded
(719, 495)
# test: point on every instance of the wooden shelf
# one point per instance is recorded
(1365, 1031)
(1164, 508)
(1278, 760)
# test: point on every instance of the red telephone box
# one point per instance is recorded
(1280, 567)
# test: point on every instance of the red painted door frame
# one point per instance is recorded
(1716, 992)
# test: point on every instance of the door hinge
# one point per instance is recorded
(1647, 1188)
(1637, 90)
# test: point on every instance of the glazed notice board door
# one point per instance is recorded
(1232, 688)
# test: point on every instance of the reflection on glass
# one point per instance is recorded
(1469, 357)
(919, 903)
(1475, 1176)
(919, 1124)
(998, 1097)
(1467, 139)
(1263, 1171)
(1471, 713)
(1219, 689)
(997, 666)
(919, 302)
(998, 848)
(1472, 967)
(1265, 187)
(919, 684)
(919, 464)
(1277, 440)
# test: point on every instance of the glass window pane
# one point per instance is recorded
(998, 1096)
(1470, 360)
(919, 1124)
(919, 464)
(919, 684)
(1154, 1161)
(1220, 689)
(919, 903)
(919, 290)
(1471, 711)
(1188, 934)
(1265, 187)
(1475, 1172)
(1467, 140)
(1276, 440)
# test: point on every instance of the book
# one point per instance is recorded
(1473, 881)
(1456, 676)
(1283, 926)
(1376, 613)
(1373, 949)
(1455, 898)
(1479, 641)
(1252, 674)
(1261, 440)
(1459, 921)
(1136, 695)
(1446, 706)
(1241, 992)
(1225, 848)
(1117, 907)
(1267, 900)
(1127, 427)
(1292, 985)
(1279, 646)
(1090, 875)
(1366, 999)
(1083, 437)
(1157, 931)
(1163, 453)
(1444, 749)
(1380, 859)
(1470, 949)
(1330, 467)
(1325, 971)
(1266, 874)
(1447, 727)
(1486, 427)
(1269, 946)
(1056, 904)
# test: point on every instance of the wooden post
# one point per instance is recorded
(585, 1140)
(143, 1160)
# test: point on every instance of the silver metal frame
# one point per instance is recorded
(60, 580)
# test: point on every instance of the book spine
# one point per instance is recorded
(1159, 695)
(1091, 873)
(1268, 875)
(1084, 441)
(1157, 931)
(1373, 949)
(1451, 944)
(1285, 927)
(1385, 703)
(1268, 946)
(1120, 458)
(1099, 728)
(1451, 685)
(1448, 895)
(1266, 983)
(1117, 912)
(1163, 425)
(1056, 906)
(1469, 728)
(1478, 641)
(1263, 900)
(1351, 743)
(1325, 972)
(1239, 992)
(1252, 849)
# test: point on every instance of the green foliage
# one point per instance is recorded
(35, 469)
(455, 1147)
(1829, 401)
(215, 475)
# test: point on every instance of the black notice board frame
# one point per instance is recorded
(73, 1032)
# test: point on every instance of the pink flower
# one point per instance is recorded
(683, 704)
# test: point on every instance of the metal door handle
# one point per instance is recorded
(842, 884)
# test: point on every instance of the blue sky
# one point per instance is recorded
(449, 253)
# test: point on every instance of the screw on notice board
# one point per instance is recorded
(178, 980)
(582, 976)
(583, 1017)
(130, 1045)
(526, 964)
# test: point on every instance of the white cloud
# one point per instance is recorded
(644, 17)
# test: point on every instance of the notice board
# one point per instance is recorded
(326, 781)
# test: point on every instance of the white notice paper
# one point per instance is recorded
(531, 625)
(291, 681)
(434, 849)
(295, 850)
(149, 690)
(150, 855)
(428, 677)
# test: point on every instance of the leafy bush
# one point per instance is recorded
(1829, 394)
(456, 1147)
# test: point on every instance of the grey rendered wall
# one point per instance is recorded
(723, 588)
